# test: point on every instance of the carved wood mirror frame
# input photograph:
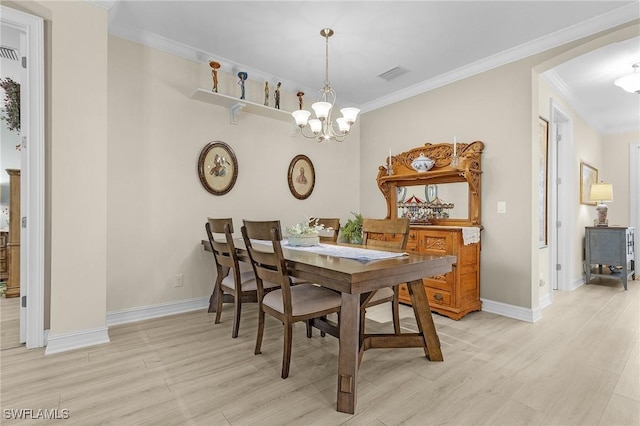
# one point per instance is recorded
(468, 170)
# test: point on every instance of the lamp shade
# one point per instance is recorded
(321, 109)
(301, 116)
(601, 192)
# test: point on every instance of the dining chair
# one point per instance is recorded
(387, 234)
(334, 224)
(232, 278)
(289, 303)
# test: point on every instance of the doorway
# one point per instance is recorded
(561, 153)
(31, 30)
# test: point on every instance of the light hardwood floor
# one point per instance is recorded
(579, 365)
(9, 322)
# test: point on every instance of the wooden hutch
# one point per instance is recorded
(435, 228)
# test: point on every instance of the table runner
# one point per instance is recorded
(355, 253)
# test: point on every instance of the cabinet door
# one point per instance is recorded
(438, 243)
(606, 245)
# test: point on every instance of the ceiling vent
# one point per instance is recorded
(9, 53)
(393, 73)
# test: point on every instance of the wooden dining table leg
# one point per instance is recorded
(422, 311)
(349, 349)
(213, 299)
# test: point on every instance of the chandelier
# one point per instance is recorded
(322, 128)
(631, 82)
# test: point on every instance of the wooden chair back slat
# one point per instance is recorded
(386, 233)
(269, 265)
(334, 223)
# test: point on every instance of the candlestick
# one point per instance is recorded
(454, 158)
(389, 168)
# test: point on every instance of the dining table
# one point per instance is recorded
(354, 278)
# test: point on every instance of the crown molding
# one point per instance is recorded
(185, 51)
(592, 26)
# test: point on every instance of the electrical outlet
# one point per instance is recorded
(177, 280)
(502, 206)
(542, 283)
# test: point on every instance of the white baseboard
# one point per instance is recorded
(511, 311)
(154, 311)
(78, 339)
(578, 283)
(544, 301)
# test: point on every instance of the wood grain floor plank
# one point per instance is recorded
(580, 364)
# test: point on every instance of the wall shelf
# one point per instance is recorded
(236, 105)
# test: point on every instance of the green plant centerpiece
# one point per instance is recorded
(305, 233)
(352, 231)
(11, 103)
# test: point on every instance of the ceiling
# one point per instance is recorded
(436, 42)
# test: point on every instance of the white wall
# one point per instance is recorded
(615, 166)
(77, 142)
(493, 107)
(156, 205)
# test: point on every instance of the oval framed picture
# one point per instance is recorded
(217, 168)
(301, 177)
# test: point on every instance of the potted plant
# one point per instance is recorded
(352, 231)
(306, 233)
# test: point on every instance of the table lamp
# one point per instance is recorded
(601, 193)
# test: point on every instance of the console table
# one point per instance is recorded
(613, 246)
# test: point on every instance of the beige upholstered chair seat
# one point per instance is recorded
(305, 299)
(247, 281)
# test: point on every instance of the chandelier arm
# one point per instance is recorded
(311, 136)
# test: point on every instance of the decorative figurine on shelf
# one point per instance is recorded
(276, 95)
(243, 77)
(214, 73)
(300, 94)
(266, 93)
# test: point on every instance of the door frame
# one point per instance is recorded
(33, 173)
(561, 153)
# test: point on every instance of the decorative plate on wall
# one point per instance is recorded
(217, 168)
(301, 177)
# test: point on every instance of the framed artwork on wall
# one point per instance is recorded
(301, 177)
(543, 182)
(588, 176)
(217, 168)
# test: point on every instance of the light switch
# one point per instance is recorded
(502, 206)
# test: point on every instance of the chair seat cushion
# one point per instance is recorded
(381, 295)
(247, 281)
(305, 299)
